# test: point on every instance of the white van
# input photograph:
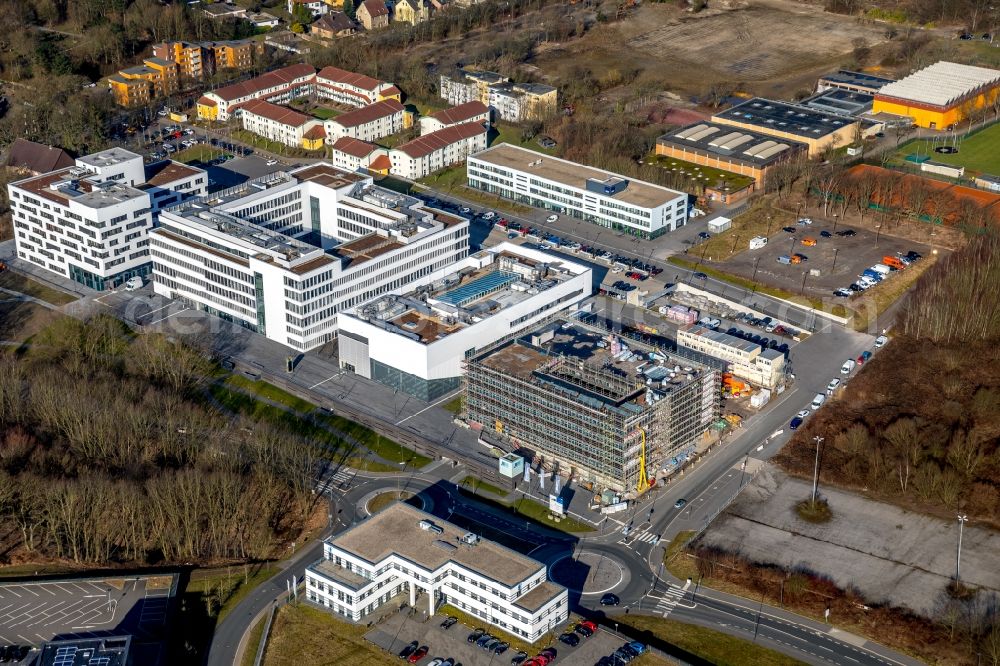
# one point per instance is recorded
(134, 282)
(847, 367)
(832, 386)
(758, 242)
(818, 401)
(881, 268)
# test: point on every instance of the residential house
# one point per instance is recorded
(195, 61)
(286, 40)
(222, 10)
(279, 86)
(411, 11)
(36, 158)
(513, 102)
(437, 150)
(474, 111)
(263, 19)
(281, 124)
(315, 7)
(353, 155)
(333, 25)
(373, 14)
(367, 123)
(136, 86)
(352, 89)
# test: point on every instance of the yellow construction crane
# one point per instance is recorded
(643, 484)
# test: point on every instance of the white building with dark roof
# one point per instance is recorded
(435, 151)
(469, 112)
(354, 154)
(416, 342)
(284, 255)
(91, 222)
(281, 124)
(362, 569)
(368, 123)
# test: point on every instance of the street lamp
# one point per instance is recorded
(818, 440)
(962, 520)
(835, 251)
(805, 274)
(878, 231)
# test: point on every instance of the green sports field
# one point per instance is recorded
(979, 152)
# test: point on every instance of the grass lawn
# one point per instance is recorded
(712, 646)
(455, 405)
(270, 392)
(676, 562)
(25, 285)
(477, 486)
(736, 239)
(381, 446)
(979, 152)
(20, 320)
(453, 180)
(253, 643)
(229, 586)
(198, 153)
(706, 175)
(324, 113)
(383, 500)
(509, 134)
(306, 636)
(529, 508)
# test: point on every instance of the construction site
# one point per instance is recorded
(586, 404)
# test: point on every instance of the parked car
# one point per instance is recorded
(848, 366)
(583, 631)
(408, 649)
(843, 292)
(790, 230)
(704, 235)
(865, 355)
(638, 647)
(794, 423)
(571, 640)
(880, 341)
(501, 647)
(449, 622)
(805, 221)
(418, 654)
(847, 233)
(552, 218)
(809, 242)
(518, 658)
(475, 636)
(832, 386)
(825, 234)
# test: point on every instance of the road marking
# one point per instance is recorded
(433, 404)
(167, 317)
(327, 379)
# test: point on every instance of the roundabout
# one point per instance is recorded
(379, 499)
(590, 573)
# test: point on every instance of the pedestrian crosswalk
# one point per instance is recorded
(643, 536)
(664, 601)
(338, 479)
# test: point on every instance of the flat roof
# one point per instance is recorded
(467, 295)
(538, 596)
(108, 157)
(111, 651)
(638, 193)
(840, 101)
(731, 143)
(941, 84)
(431, 549)
(722, 338)
(793, 119)
(857, 79)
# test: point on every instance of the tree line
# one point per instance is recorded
(111, 453)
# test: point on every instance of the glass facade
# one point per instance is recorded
(100, 283)
(423, 389)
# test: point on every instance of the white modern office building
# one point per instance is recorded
(604, 198)
(417, 342)
(285, 254)
(90, 222)
(403, 550)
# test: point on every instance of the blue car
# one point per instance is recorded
(637, 646)
(795, 423)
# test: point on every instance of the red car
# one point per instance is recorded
(590, 625)
(419, 654)
(502, 223)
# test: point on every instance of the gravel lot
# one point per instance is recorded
(887, 553)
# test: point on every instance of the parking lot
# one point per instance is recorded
(34, 612)
(399, 629)
(838, 259)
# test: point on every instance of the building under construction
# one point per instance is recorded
(599, 409)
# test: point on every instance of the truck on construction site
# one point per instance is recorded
(679, 313)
